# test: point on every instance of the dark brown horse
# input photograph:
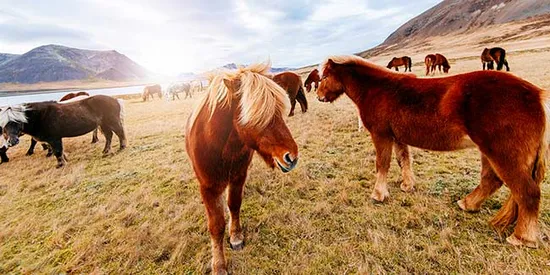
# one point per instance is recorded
(313, 77)
(242, 113)
(148, 91)
(436, 60)
(292, 84)
(3, 147)
(401, 61)
(446, 114)
(51, 121)
(492, 55)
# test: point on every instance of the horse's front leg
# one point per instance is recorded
(404, 160)
(57, 146)
(4, 155)
(31, 148)
(383, 147)
(213, 201)
(234, 199)
(292, 106)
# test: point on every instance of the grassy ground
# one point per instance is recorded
(139, 211)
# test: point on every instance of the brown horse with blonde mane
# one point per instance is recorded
(436, 60)
(451, 113)
(498, 55)
(241, 113)
(292, 84)
(314, 78)
(401, 61)
(149, 91)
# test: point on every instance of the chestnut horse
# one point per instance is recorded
(401, 61)
(242, 113)
(433, 60)
(451, 113)
(313, 77)
(498, 55)
(51, 121)
(73, 95)
(148, 91)
(292, 84)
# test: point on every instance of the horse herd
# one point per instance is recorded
(505, 117)
(173, 90)
(488, 58)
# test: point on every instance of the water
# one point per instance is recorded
(6, 100)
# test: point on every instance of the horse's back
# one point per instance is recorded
(289, 81)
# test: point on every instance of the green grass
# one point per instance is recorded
(139, 211)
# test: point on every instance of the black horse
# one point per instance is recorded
(51, 121)
(3, 148)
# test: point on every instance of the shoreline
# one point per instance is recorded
(59, 90)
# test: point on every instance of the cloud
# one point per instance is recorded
(171, 36)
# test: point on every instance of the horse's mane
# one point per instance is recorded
(13, 113)
(354, 60)
(260, 97)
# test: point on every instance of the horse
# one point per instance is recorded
(401, 61)
(3, 147)
(313, 77)
(175, 89)
(511, 130)
(241, 113)
(150, 90)
(498, 55)
(70, 97)
(433, 60)
(292, 84)
(51, 121)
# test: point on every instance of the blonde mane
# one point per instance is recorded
(259, 97)
(13, 113)
(346, 60)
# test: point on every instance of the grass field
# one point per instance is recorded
(139, 211)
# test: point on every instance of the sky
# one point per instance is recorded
(170, 37)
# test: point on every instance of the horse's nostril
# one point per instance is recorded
(287, 158)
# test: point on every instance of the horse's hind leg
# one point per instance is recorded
(292, 106)
(95, 139)
(108, 133)
(121, 134)
(213, 201)
(490, 183)
(404, 160)
(234, 199)
(383, 157)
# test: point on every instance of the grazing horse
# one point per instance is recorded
(433, 60)
(175, 89)
(70, 97)
(511, 130)
(242, 112)
(498, 55)
(51, 121)
(292, 84)
(401, 61)
(313, 77)
(148, 91)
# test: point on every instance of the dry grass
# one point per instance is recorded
(140, 211)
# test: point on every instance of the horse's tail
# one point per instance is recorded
(301, 96)
(509, 211)
(410, 63)
(121, 112)
(501, 59)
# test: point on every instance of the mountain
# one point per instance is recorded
(463, 15)
(52, 63)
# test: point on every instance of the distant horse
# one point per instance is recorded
(510, 129)
(292, 84)
(241, 113)
(401, 61)
(51, 121)
(498, 55)
(176, 89)
(433, 60)
(148, 91)
(313, 77)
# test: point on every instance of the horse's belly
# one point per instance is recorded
(438, 141)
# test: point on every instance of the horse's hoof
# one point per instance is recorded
(107, 154)
(378, 197)
(29, 153)
(95, 141)
(236, 245)
(49, 155)
(59, 165)
(515, 241)
(463, 206)
(408, 188)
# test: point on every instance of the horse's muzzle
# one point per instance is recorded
(13, 141)
(322, 99)
(289, 163)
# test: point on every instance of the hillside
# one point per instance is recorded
(52, 63)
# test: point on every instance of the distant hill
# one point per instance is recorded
(233, 66)
(52, 63)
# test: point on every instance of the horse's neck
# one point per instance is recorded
(361, 82)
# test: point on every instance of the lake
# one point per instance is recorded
(18, 98)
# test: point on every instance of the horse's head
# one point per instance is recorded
(11, 123)
(446, 67)
(331, 87)
(11, 133)
(258, 116)
(308, 87)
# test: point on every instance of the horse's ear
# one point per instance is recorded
(232, 84)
